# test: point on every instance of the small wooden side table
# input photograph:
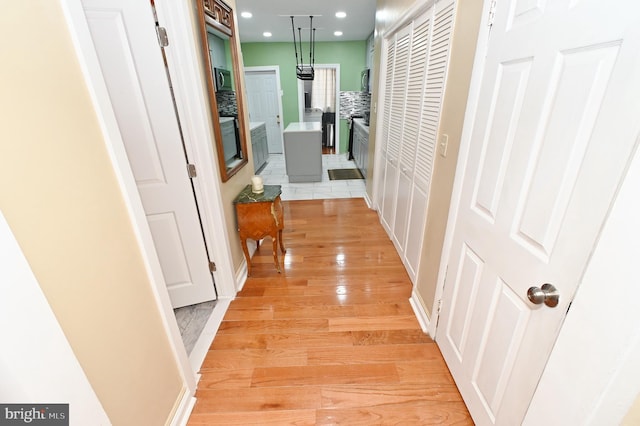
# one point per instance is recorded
(260, 215)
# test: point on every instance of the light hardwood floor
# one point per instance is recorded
(331, 340)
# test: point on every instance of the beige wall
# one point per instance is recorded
(633, 416)
(462, 53)
(60, 196)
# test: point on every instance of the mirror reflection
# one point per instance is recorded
(221, 60)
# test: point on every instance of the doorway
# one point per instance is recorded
(318, 100)
(264, 96)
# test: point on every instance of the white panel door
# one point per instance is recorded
(548, 142)
(264, 105)
(124, 36)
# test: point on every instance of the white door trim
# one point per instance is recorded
(276, 69)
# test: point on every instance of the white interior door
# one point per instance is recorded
(546, 145)
(124, 37)
(264, 101)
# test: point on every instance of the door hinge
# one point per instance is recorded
(492, 13)
(438, 314)
(212, 267)
(191, 169)
(163, 39)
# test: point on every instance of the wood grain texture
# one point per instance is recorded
(330, 340)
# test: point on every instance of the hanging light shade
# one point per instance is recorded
(304, 72)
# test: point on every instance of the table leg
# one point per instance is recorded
(281, 243)
(245, 249)
(275, 252)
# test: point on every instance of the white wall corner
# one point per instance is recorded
(421, 313)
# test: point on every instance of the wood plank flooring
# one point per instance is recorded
(330, 341)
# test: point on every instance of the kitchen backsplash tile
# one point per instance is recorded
(227, 104)
(354, 103)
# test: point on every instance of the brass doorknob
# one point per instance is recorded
(548, 294)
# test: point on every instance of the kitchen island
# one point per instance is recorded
(303, 151)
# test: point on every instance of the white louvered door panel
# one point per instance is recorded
(396, 104)
(420, 35)
(429, 121)
(386, 118)
(388, 86)
(433, 92)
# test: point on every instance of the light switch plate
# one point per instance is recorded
(442, 145)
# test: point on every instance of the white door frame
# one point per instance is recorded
(183, 63)
(337, 111)
(618, 385)
(276, 70)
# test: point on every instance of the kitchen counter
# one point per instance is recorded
(255, 124)
(303, 151)
(313, 126)
(361, 123)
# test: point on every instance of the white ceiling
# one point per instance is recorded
(357, 25)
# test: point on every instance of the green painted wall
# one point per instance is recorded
(351, 55)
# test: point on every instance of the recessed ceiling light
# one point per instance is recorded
(341, 15)
(337, 33)
(246, 15)
(267, 34)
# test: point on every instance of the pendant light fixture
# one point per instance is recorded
(304, 72)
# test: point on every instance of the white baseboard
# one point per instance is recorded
(368, 200)
(185, 407)
(418, 309)
(241, 276)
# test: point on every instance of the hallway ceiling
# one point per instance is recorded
(273, 16)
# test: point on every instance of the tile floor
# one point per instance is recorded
(274, 174)
(193, 319)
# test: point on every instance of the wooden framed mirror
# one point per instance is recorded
(223, 85)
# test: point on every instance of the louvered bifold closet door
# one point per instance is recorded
(420, 35)
(386, 118)
(433, 91)
(395, 103)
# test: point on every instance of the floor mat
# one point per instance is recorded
(344, 174)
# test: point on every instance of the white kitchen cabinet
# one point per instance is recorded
(217, 52)
(259, 145)
(369, 53)
(303, 152)
(361, 145)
